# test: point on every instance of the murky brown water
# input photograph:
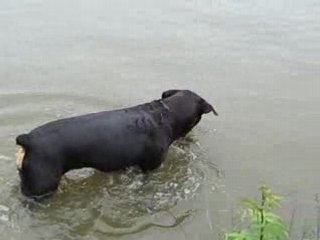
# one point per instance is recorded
(258, 62)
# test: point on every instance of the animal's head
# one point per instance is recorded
(187, 107)
(39, 176)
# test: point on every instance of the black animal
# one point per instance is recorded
(107, 141)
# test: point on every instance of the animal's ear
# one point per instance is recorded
(169, 93)
(206, 107)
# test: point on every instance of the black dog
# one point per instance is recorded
(108, 141)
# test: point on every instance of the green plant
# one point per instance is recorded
(263, 223)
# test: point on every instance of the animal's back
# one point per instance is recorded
(110, 140)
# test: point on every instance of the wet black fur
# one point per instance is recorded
(108, 141)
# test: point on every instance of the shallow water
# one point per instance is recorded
(258, 63)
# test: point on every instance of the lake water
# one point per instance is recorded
(257, 62)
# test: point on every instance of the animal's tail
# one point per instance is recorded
(23, 140)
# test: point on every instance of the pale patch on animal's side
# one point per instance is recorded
(20, 156)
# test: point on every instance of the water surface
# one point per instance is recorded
(257, 62)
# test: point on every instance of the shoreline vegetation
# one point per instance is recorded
(259, 220)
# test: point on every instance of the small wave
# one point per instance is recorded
(160, 220)
(3, 157)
